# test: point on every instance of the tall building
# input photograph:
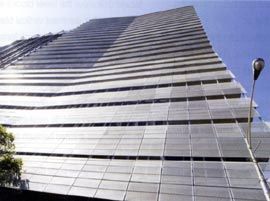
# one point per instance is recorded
(133, 108)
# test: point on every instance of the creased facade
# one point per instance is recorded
(133, 108)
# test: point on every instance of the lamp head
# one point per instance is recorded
(257, 65)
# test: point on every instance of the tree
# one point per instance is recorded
(10, 167)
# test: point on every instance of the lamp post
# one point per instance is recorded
(257, 66)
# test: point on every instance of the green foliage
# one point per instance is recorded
(10, 167)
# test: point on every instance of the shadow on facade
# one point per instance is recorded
(11, 194)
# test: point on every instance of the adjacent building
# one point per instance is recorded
(133, 108)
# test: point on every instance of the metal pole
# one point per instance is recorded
(249, 116)
(262, 180)
(258, 65)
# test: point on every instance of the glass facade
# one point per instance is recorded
(133, 108)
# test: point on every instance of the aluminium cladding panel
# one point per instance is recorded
(126, 113)
(184, 61)
(154, 70)
(128, 51)
(158, 80)
(196, 34)
(199, 140)
(189, 67)
(152, 95)
(95, 50)
(14, 89)
(104, 77)
(186, 58)
(143, 180)
(224, 88)
(137, 56)
(132, 81)
(131, 38)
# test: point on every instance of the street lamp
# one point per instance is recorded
(257, 66)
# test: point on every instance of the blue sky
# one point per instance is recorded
(238, 30)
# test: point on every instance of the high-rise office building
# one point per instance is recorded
(133, 108)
